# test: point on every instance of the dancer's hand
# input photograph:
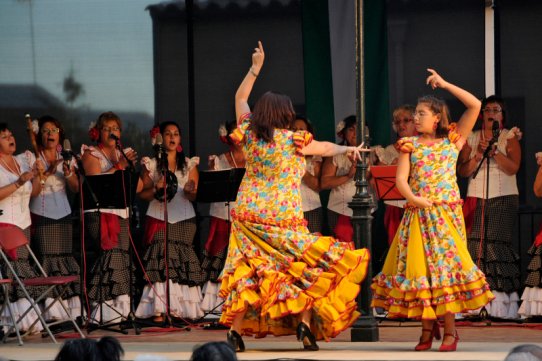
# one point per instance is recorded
(354, 152)
(435, 80)
(421, 202)
(257, 59)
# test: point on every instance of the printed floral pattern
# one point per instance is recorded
(274, 265)
(428, 271)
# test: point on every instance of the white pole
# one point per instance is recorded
(489, 48)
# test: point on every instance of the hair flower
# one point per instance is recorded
(340, 126)
(93, 132)
(35, 126)
(153, 133)
(223, 133)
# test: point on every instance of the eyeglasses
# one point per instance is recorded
(111, 129)
(49, 131)
(492, 110)
(422, 114)
(404, 121)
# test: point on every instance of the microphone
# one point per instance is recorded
(495, 127)
(158, 146)
(114, 137)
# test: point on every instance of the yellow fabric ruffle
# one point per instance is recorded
(274, 281)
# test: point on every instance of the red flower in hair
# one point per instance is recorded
(94, 134)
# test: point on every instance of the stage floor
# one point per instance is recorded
(479, 341)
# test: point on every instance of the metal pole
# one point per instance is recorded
(365, 328)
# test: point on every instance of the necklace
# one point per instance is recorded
(16, 171)
(100, 147)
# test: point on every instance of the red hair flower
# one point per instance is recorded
(94, 134)
(153, 133)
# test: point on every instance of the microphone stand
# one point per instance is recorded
(483, 312)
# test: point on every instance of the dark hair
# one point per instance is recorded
(272, 110)
(438, 106)
(214, 351)
(107, 116)
(107, 348)
(307, 122)
(526, 352)
(498, 100)
(230, 127)
(3, 127)
(181, 161)
(348, 122)
(49, 119)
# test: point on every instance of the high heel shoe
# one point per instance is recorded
(236, 341)
(452, 346)
(435, 333)
(304, 333)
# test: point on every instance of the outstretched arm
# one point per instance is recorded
(328, 149)
(473, 105)
(243, 92)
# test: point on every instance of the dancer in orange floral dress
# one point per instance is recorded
(278, 278)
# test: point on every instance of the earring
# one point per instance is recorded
(179, 148)
(435, 125)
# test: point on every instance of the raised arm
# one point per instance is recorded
(473, 105)
(243, 92)
(537, 187)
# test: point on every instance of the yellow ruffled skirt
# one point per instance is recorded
(428, 271)
(274, 273)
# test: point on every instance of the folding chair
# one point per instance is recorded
(11, 238)
(5, 284)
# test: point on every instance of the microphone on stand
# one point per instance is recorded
(115, 138)
(495, 127)
(158, 146)
(67, 153)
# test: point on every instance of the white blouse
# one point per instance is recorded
(310, 199)
(52, 202)
(179, 208)
(500, 183)
(15, 206)
(105, 165)
(342, 195)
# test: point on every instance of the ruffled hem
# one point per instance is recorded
(430, 303)
(532, 302)
(56, 312)
(18, 308)
(276, 297)
(211, 302)
(184, 301)
(114, 310)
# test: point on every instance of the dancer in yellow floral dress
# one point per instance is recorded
(428, 272)
(278, 278)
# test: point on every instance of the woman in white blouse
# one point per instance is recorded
(18, 182)
(51, 215)
(174, 208)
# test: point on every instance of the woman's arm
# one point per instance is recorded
(191, 187)
(329, 178)
(403, 172)
(148, 188)
(243, 92)
(537, 187)
(466, 165)
(510, 162)
(313, 181)
(10, 188)
(473, 105)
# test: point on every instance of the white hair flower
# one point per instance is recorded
(340, 126)
(92, 125)
(222, 131)
(35, 126)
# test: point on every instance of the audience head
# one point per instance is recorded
(214, 351)
(272, 110)
(105, 349)
(346, 130)
(493, 109)
(432, 114)
(403, 121)
(525, 352)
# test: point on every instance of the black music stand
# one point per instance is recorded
(112, 191)
(219, 186)
(384, 181)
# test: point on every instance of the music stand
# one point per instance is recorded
(111, 191)
(384, 180)
(219, 185)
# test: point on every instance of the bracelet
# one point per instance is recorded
(253, 72)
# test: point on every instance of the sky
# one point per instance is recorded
(108, 43)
